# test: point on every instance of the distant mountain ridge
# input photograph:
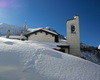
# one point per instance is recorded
(14, 30)
(90, 53)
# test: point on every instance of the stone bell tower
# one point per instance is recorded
(73, 35)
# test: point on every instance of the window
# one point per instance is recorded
(35, 33)
(40, 31)
(73, 29)
(46, 33)
(52, 35)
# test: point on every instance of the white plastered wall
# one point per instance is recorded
(73, 39)
(42, 37)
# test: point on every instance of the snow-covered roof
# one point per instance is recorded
(32, 30)
(44, 29)
(14, 37)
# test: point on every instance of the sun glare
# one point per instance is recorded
(8, 3)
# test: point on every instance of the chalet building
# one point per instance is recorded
(42, 34)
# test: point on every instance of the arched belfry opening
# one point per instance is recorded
(73, 29)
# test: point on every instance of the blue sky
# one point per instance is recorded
(54, 13)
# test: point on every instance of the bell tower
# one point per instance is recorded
(73, 35)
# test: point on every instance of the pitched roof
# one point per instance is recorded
(31, 31)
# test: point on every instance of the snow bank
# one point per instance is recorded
(34, 61)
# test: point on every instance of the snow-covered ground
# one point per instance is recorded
(27, 60)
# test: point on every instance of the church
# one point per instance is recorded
(72, 45)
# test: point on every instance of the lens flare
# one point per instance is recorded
(8, 3)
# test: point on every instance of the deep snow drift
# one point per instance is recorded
(34, 61)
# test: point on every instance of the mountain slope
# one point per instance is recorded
(90, 53)
(13, 29)
(33, 61)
